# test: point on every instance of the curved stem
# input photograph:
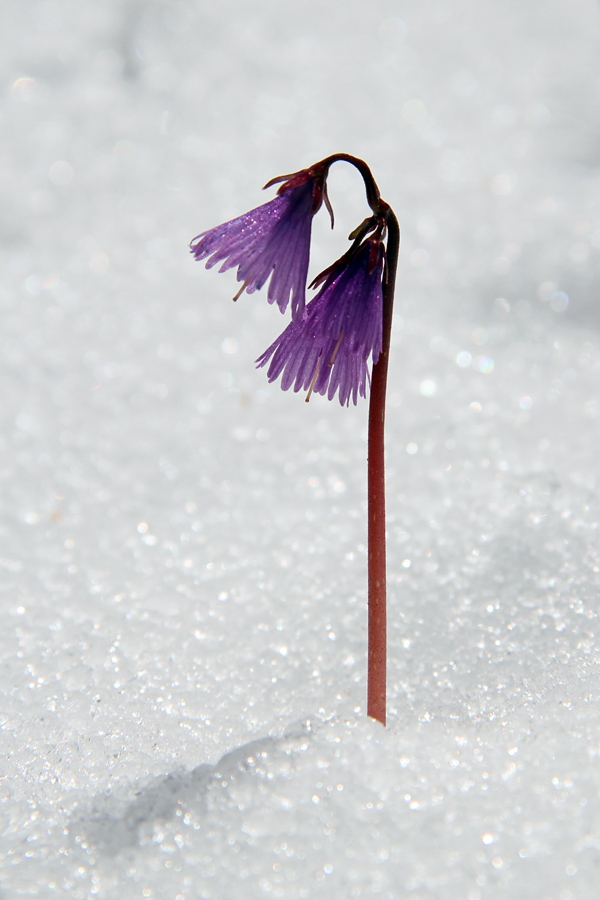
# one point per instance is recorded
(373, 196)
(377, 579)
(377, 576)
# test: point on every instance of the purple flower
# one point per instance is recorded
(328, 348)
(270, 241)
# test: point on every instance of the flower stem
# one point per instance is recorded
(373, 196)
(377, 578)
(377, 630)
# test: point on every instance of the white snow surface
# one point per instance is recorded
(183, 545)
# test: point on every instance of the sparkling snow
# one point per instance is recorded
(183, 546)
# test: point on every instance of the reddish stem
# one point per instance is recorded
(373, 196)
(377, 578)
(377, 628)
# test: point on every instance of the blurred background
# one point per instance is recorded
(182, 552)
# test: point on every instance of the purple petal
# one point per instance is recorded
(271, 241)
(348, 305)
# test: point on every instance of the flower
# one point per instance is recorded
(328, 348)
(272, 241)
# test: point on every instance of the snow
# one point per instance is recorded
(183, 545)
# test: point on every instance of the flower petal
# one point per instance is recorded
(271, 241)
(340, 329)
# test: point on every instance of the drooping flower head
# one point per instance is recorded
(272, 241)
(327, 350)
(326, 347)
